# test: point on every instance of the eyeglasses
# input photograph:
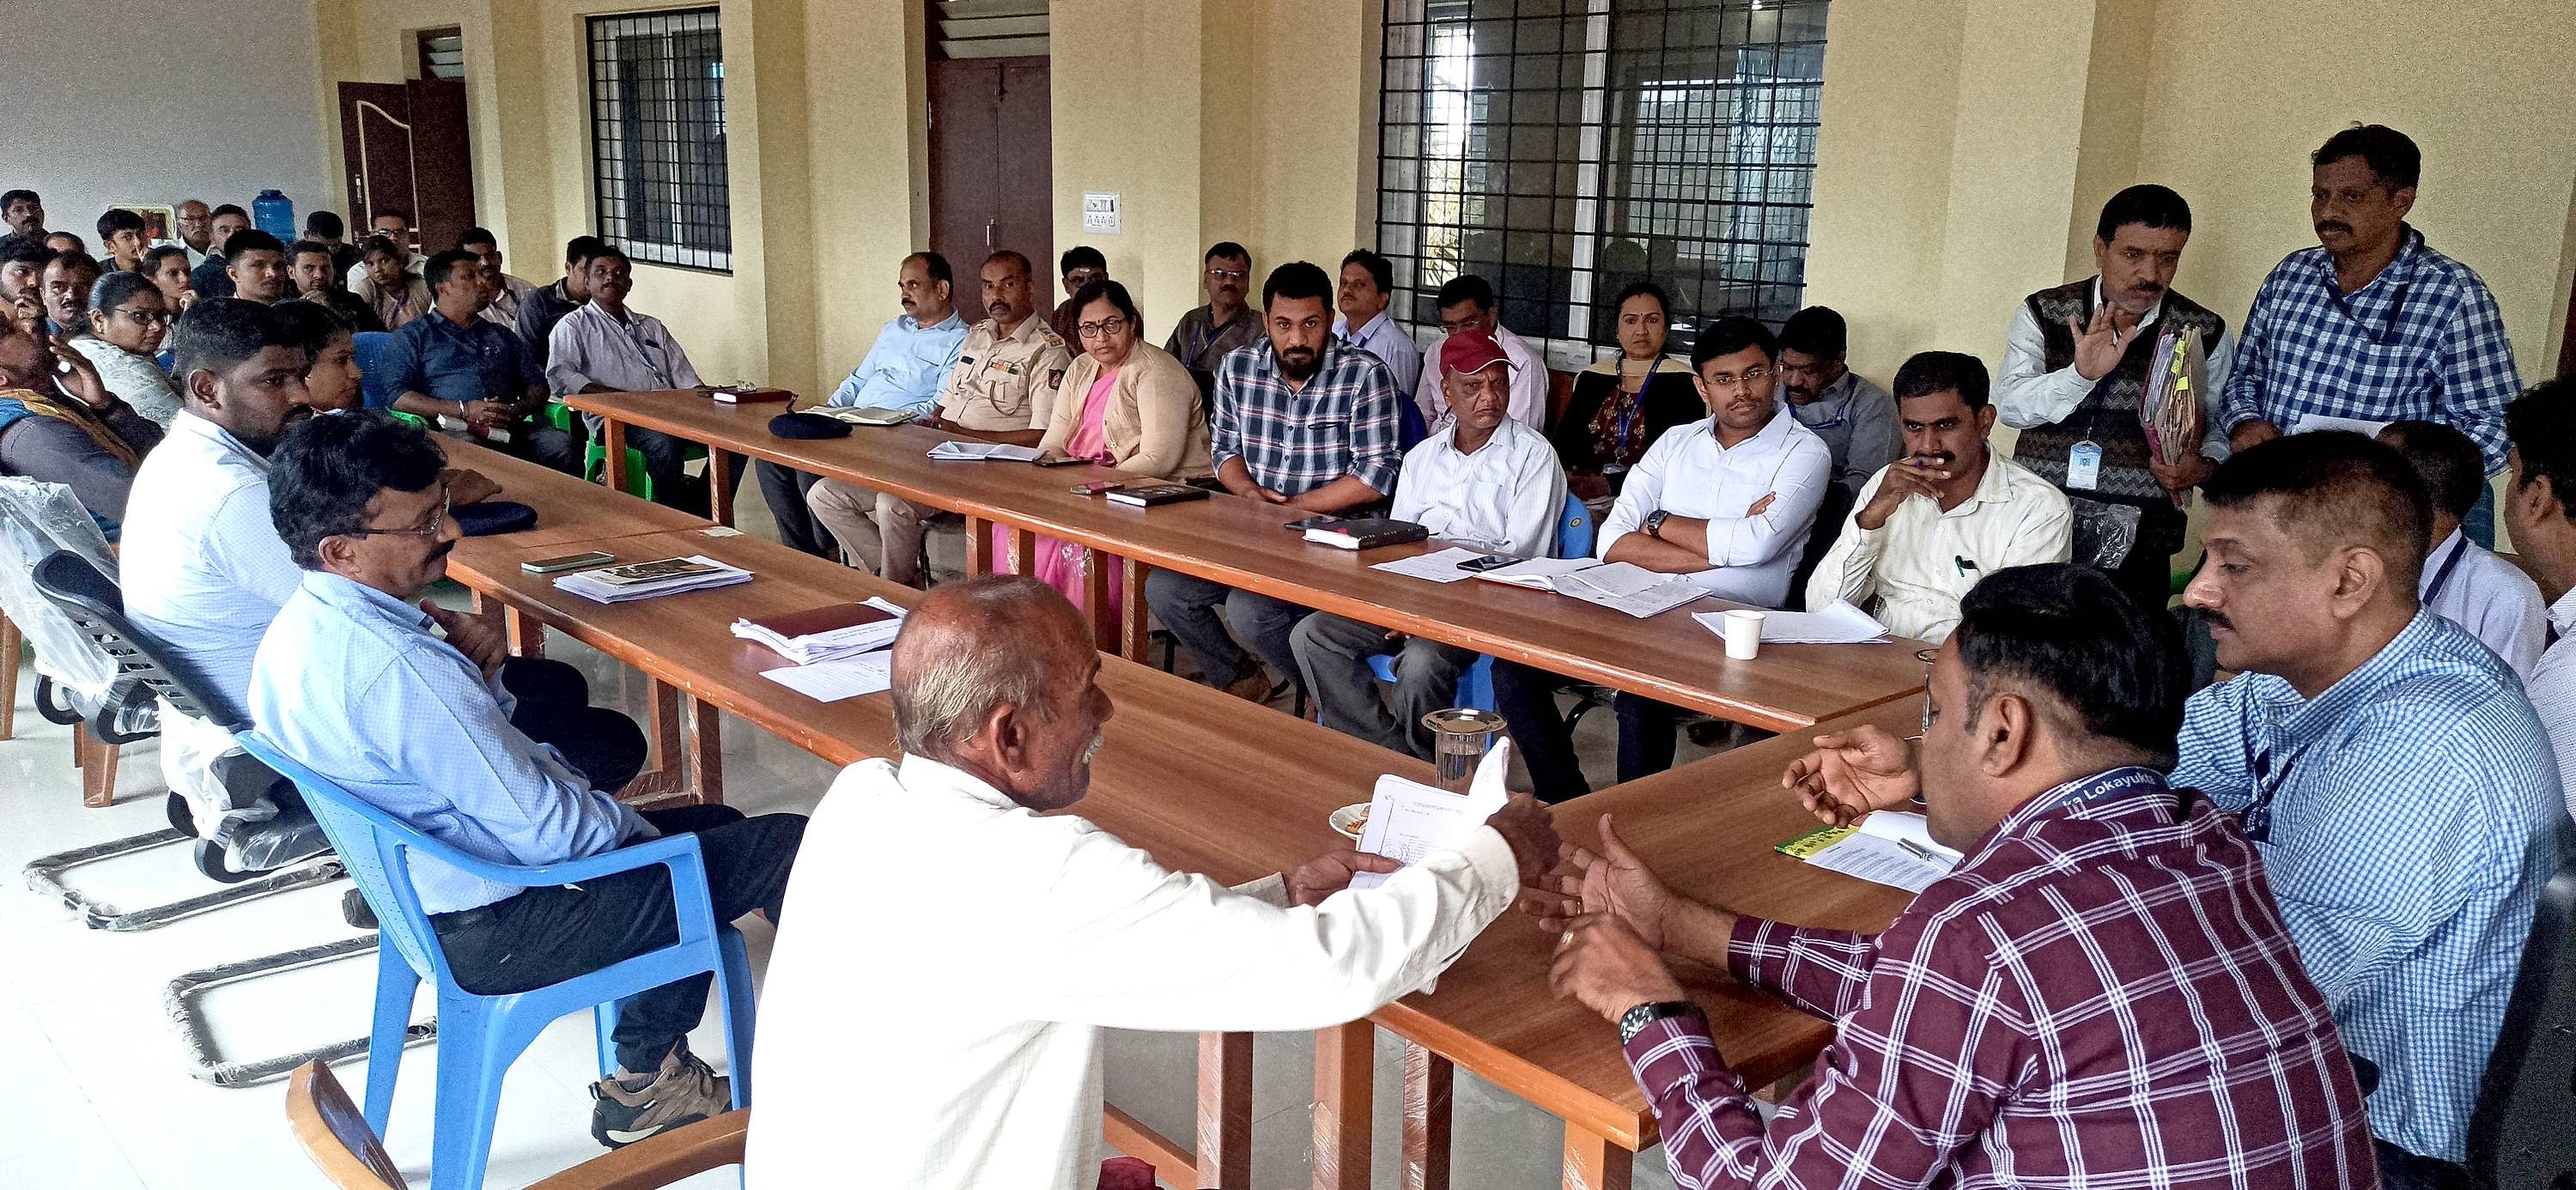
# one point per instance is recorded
(147, 317)
(1228, 274)
(1102, 329)
(427, 528)
(1731, 379)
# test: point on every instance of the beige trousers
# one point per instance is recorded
(878, 533)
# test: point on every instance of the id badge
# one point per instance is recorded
(2084, 465)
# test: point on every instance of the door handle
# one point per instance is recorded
(988, 232)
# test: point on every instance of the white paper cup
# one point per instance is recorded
(1743, 633)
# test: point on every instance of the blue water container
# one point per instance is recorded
(274, 213)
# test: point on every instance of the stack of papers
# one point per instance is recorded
(645, 580)
(873, 415)
(1439, 566)
(826, 633)
(1839, 624)
(1408, 820)
(832, 681)
(1890, 847)
(1619, 586)
(983, 452)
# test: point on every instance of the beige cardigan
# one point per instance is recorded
(1154, 425)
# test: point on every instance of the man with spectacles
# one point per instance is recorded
(1003, 388)
(1080, 265)
(1205, 336)
(1725, 501)
(605, 347)
(1467, 304)
(196, 228)
(69, 428)
(1368, 285)
(352, 681)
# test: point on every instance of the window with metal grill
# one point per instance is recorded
(657, 137)
(1562, 149)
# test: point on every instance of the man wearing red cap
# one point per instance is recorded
(1486, 482)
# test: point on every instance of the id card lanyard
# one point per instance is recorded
(2084, 459)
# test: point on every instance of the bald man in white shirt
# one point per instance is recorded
(933, 1013)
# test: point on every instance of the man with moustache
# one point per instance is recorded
(1857, 419)
(1368, 284)
(256, 264)
(24, 214)
(352, 682)
(66, 285)
(605, 347)
(67, 427)
(2372, 325)
(1951, 512)
(1205, 336)
(2075, 370)
(451, 362)
(1304, 422)
(316, 273)
(905, 369)
(196, 228)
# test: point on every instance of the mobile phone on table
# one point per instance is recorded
(1488, 562)
(567, 562)
(1313, 522)
(1060, 460)
(1096, 487)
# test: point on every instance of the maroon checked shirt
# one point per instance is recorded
(2101, 995)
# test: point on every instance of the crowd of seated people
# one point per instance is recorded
(2307, 884)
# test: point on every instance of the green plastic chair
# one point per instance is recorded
(595, 456)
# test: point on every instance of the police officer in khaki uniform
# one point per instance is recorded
(1003, 388)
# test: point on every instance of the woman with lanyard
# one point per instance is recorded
(1621, 405)
(1125, 404)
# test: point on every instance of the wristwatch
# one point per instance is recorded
(1654, 525)
(1635, 1020)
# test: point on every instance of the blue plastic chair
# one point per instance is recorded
(375, 385)
(1476, 686)
(480, 1036)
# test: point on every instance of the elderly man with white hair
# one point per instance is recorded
(933, 1013)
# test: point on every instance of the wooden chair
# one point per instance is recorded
(335, 1134)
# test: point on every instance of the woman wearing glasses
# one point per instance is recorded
(1620, 406)
(1125, 404)
(128, 319)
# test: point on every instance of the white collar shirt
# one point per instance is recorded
(1031, 934)
(1912, 571)
(203, 568)
(1507, 497)
(2492, 598)
(1529, 383)
(2552, 687)
(638, 355)
(1391, 344)
(1687, 474)
(2028, 394)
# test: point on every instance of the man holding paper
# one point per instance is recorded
(1487, 481)
(1931, 524)
(2079, 362)
(1032, 930)
(2102, 992)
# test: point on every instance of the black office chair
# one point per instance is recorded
(1830, 516)
(2518, 1134)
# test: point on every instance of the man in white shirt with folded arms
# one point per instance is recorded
(933, 1013)
(1950, 512)
(1487, 482)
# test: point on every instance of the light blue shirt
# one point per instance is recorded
(906, 368)
(203, 568)
(1389, 343)
(351, 682)
(2414, 815)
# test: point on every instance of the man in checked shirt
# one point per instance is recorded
(2102, 993)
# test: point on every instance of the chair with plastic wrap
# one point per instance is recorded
(347, 1152)
(483, 1035)
(1476, 686)
(76, 681)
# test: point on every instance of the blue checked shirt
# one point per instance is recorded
(2422, 340)
(2408, 818)
(350, 681)
(1294, 441)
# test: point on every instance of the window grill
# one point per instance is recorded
(657, 137)
(1562, 149)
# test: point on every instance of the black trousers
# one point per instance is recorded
(1649, 731)
(548, 935)
(666, 459)
(2402, 1170)
(554, 708)
(784, 489)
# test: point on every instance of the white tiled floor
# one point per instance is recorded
(94, 1093)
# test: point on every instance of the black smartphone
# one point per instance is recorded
(1488, 562)
(1061, 461)
(1313, 522)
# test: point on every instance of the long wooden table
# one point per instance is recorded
(1240, 543)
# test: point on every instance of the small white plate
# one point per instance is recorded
(1350, 820)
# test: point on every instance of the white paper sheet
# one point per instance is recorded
(832, 681)
(983, 452)
(2310, 423)
(1439, 566)
(1839, 624)
(1537, 573)
(1619, 586)
(1878, 852)
(1408, 820)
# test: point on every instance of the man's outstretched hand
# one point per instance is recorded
(1613, 883)
(1852, 773)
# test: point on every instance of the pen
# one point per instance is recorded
(1916, 849)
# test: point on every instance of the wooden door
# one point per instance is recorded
(404, 147)
(992, 171)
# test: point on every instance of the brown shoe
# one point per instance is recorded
(1251, 687)
(631, 1107)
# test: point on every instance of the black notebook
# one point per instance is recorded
(1149, 495)
(1367, 533)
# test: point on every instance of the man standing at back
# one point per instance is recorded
(1205, 336)
(912, 356)
(1304, 423)
(2372, 325)
(1368, 283)
(24, 214)
(1002, 388)
(2075, 371)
